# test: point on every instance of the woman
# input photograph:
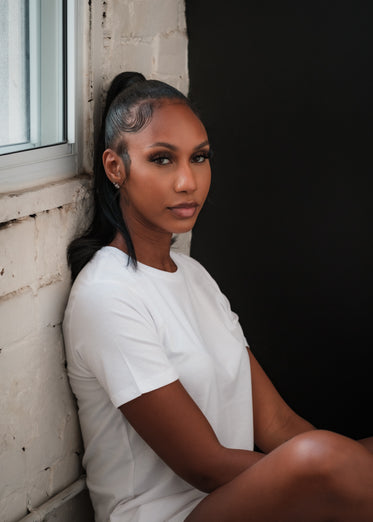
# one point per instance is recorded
(170, 399)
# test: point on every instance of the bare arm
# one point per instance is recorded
(274, 421)
(175, 428)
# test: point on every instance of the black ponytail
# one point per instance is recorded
(129, 107)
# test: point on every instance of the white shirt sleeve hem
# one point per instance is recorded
(157, 381)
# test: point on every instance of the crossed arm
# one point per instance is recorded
(173, 425)
(302, 474)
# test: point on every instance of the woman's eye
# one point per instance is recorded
(201, 157)
(161, 160)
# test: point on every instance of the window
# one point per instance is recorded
(37, 119)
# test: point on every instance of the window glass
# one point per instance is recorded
(32, 74)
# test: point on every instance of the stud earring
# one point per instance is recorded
(116, 185)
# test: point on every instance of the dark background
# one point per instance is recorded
(286, 96)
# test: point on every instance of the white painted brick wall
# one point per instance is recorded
(18, 255)
(40, 444)
(136, 33)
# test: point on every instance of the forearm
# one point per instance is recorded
(275, 422)
(282, 430)
(295, 426)
(225, 466)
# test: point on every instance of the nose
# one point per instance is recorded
(185, 180)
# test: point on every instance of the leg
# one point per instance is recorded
(367, 443)
(318, 476)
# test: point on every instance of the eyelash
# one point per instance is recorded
(206, 154)
(158, 157)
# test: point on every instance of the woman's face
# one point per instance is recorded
(169, 173)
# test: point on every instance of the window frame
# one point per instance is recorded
(22, 170)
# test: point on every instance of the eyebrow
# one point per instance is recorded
(172, 147)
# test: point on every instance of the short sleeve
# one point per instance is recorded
(116, 339)
(233, 319)
(230, 318)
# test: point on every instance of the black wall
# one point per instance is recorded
(286, 97)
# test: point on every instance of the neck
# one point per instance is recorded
(154, 252)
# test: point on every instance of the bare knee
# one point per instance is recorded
(335, 471)
(321, 455)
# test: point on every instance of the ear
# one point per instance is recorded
(114, 167)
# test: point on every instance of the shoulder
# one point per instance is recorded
(203, 279)
(190, 265)
(197, 276)
(105, 280)
(108, 266)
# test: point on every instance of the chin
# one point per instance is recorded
(183, 228)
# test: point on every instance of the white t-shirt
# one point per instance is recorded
(128, 332)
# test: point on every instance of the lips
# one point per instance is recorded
(184, 210)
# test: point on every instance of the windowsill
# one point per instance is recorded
(26, 169)
(18, 204)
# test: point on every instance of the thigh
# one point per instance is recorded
(294, 483)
